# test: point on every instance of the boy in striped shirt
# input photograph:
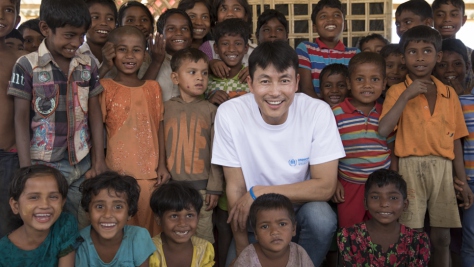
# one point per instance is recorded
(357, 119)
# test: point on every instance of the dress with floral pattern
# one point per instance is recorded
(357, 249)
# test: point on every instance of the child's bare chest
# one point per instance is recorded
(431, 96)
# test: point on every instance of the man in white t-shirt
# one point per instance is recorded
(276, 141)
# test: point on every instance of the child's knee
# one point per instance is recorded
(440, 237)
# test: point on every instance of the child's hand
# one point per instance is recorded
(218, 97)
(243, 74)
(95, 170)
(108, 55)
(211, 201)
(466, 196)
(457, 86)
(219, 68)
(163, 176)
(417, 87)
(158, 48)
(339, 194)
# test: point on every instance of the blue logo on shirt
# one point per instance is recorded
(292, 162)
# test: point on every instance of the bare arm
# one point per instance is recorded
(458, 165)
(145, 263)
(235, 189)
(163, 174)
(306, 82)
(68, 260)
(157, 57)
(22, 130)
(97, 130)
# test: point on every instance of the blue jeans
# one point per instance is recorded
(8, 165)
(467, 249)
(316, 225)
(74, 175)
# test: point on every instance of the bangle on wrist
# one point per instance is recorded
(252, 194)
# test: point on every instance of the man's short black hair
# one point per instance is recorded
(277, 53)
(129, 4)
(367, 57)
(108, 3)
(190, 53)
(370, 37)
(59, 13)
(160, 24)
(175, 196)
(456, 3)
(271, 201)
(390, 49)
(335, 68)
(32, 24)
(457, 46)
(421, 33)
(111, 181)
(15, 34)
(385, 177)
(325, 3)
(417, 7)
(268, 15)
(232, 27)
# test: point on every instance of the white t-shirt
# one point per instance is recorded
(275, 154)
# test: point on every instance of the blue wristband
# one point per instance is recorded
(252, 194)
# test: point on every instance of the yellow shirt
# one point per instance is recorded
(203, 253)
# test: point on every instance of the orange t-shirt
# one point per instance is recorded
(132, 117)
(418, 132)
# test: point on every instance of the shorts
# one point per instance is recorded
(429, 187)
(352, 210)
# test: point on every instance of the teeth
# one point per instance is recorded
(182, 233)
(232, 56)
(447, 27)
(43, 215)
(330, 27)
(451, 77)
(71, 50)
(274, 102)
(102, 32)
(178, 41)
(108, 224)
(198, 30)
(385, 213)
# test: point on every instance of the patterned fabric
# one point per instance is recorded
(132, 117)
(60, 241)
(203, 253)
(298, 257)
(316, 56)
(59, 103)
(232, 86)
(357, 249)
(366, 150)
(467, 104)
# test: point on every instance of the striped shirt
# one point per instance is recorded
(316, 56)
(366, 150)
(467, 104)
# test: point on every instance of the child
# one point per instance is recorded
(176, 206)
(452, 69)
(190, 115)
(395, 70)
(357, 119)
(222, 10)
(199, 12)
(273, 219)
(110, 199)
(134, 13)
(271, 25)
(14, 40)
(328, 22)
(372, 43)
(104, 16)
(428, 141)
(449, 17)
(132, 111)
(47, 236)
(334, 83)
(231, 37)
(59, 89)
(382, 240)
(176, 27)
(412, 13)
(31, 34)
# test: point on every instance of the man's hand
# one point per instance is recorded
(211, 201)
(218, 97)
(339, 195)
(243, 74)
(219, 68)
(239, 213)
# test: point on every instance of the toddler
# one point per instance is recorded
(333, 81)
